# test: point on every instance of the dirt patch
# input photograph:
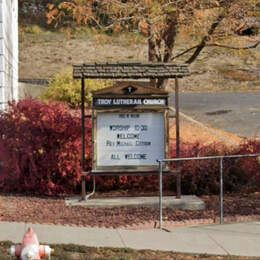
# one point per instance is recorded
(46, 53)
(43, 55)
(192, 132)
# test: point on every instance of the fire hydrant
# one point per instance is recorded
(30, 249)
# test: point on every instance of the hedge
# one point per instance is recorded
(40, 154)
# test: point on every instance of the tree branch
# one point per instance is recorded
(253, 46)
(206, 38)
(233, 47)
(184, 52)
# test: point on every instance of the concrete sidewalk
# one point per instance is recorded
(241, 239)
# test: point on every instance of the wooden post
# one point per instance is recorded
(177, 119)
(83, 181)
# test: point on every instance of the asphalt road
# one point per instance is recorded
(238, 113)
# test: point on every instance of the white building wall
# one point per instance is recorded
(8, 51)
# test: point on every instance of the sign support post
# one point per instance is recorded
(160, 193)
(83, 180)
(221, 196)
(177, 120)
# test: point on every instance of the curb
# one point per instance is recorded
(169, 225)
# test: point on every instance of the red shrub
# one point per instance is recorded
(5, 162)
(251, 167)
(199, 177)
(43, 143)
(202, 177)
(40, 153)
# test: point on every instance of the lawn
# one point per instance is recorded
(74, 252)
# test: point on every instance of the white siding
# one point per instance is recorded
(8, 51)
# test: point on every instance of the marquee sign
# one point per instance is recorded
(130, 139)
(130, 131)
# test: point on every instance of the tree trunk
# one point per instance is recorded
(151, 51)
(169, 37)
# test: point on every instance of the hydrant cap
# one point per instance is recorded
(30, 238)
(30, 230)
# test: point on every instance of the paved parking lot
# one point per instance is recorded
(237, 113)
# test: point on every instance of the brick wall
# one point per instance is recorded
(8, 51)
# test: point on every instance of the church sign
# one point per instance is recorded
(129, 102)
(130, 129)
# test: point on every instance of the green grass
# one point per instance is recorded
(75, 252)
(33, 29)
(82, 32)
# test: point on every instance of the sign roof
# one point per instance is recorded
(129, 88)
(128, 70)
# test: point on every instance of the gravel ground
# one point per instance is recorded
(54, 211)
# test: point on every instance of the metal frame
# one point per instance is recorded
(177, 120)
(221, 167)
(125, 170)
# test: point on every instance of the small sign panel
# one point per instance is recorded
(130, 139)
(124, 102)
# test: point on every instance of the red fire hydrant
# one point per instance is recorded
(30, 248)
